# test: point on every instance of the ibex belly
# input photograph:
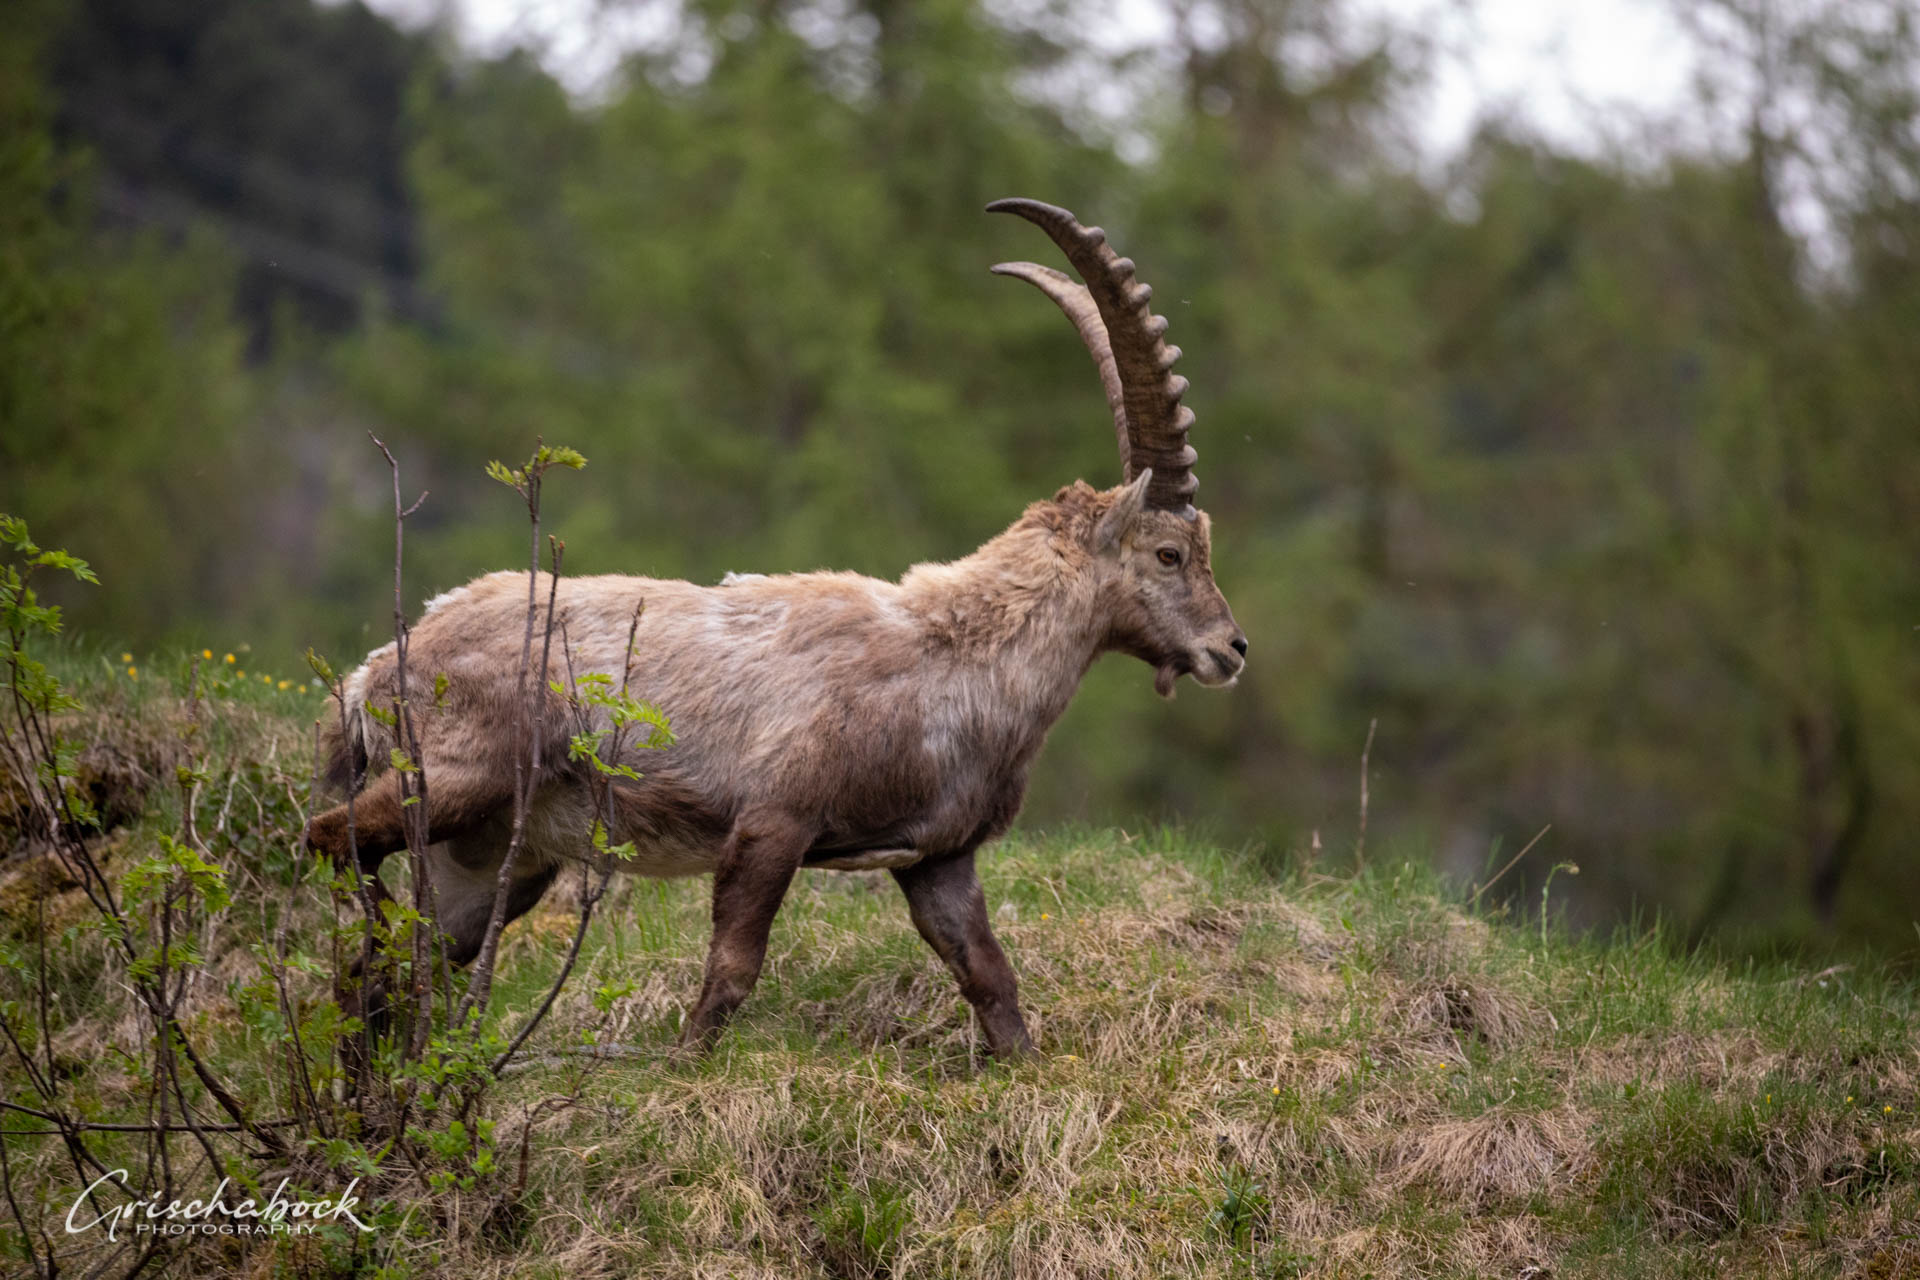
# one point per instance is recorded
(868, 860)
(560, 831)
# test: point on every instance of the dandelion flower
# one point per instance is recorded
(133, 673)
(1886, 1111)
(1849, 1097)
(1276, 1088)
(207, 654)
(229, 659)
(1045, 916)
(126, 657)
(240, 675)
(1443, 1066)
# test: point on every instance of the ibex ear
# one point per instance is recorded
(1127, 504)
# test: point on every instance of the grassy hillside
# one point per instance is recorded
(1249, 1066)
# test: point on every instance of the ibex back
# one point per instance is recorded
(822, 719)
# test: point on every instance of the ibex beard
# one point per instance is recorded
(825, 719)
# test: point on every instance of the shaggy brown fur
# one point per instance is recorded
(823, 719)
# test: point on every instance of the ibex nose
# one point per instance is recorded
(1239, 644)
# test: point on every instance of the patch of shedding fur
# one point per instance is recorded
(444, 599)
(356, 728)
(356, 682)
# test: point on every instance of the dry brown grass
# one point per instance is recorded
(1240, 1075)
(1355, 1077)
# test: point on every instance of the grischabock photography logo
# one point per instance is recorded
(217, 1214)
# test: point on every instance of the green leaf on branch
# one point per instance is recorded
(559, 456)
(321, 667)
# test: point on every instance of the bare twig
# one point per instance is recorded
(527, 760)
(20, 1219)
(68, 1123)
(589, 899)
(302, 1081)
(1360, 844)
(592, 1052)
(591, 891)
(413, 779)
(1510, 864)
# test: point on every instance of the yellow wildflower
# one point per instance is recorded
(133, 673)
(1045, 916)
(285, 685)
(126, 657)
(207, 654)
(229, 659)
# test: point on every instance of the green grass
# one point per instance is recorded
(1248, 1067)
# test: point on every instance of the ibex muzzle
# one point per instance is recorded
(824, 719)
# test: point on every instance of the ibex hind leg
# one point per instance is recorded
(751, 879)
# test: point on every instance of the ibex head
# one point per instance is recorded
(1157, 547)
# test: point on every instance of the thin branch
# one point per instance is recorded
(603, 806)
(20, 1219)
(1510, 864)
(589, 900)
(66, 1123)
(414, 819)
(1360, 845)
(527, 768)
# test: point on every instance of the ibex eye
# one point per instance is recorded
(1169, 557)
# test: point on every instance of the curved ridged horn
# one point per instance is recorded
(1124, 336)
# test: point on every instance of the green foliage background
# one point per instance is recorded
(1586, 478)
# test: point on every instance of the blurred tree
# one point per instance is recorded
(121, 396)
(1282, 243)
(278, 121)
(762, 295)
(1822, 458)
(1591, 480)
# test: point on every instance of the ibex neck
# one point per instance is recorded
(1019, 617)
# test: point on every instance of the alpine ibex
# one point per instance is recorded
(824, 719)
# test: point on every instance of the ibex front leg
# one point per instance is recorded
(755, 869)
(943, 893)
